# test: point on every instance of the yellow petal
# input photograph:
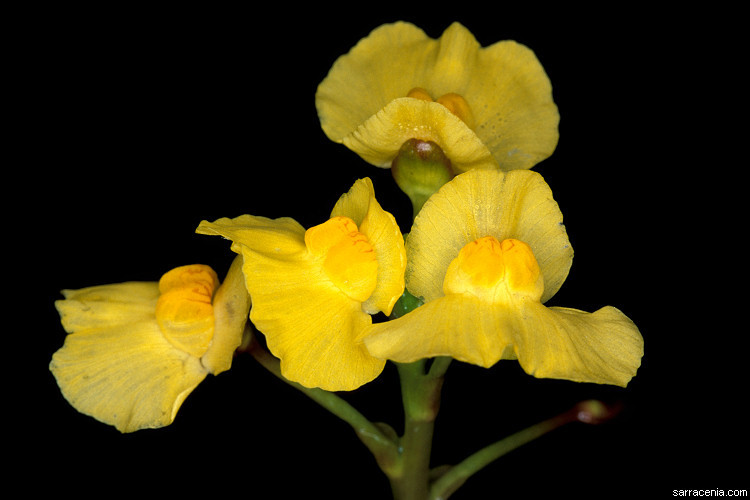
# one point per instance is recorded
(603, 347)
(383, 233)
(117, 367)
(455, 56)
(517, 119)
(309, 324)
(107, 305)
(378, 139)
(308, 321)
(363, 81)
(283, 236)
(231, 310)
(459, 326)
(516, 204)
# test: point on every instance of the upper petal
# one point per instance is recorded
(378, 69)
(451, 65)
(516, 204)
(514, 113)
(108, 305)
(283, 236)
(383, 233)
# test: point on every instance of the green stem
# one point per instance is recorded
(378, 438)
(421, 398)
(439, 366)
(449, 482)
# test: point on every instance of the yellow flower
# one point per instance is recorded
(136, 350)
(484, 254)
(314, 290)
(485, 107)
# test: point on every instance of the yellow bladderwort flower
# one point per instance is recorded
(314, 290)
(136, 350)
(484, 107)
(484, 254)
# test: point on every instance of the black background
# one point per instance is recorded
(136, 124)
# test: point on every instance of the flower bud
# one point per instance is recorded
(420, 169)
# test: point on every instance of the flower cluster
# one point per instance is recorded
(460, 126)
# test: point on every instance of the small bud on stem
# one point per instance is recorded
(420, 169)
